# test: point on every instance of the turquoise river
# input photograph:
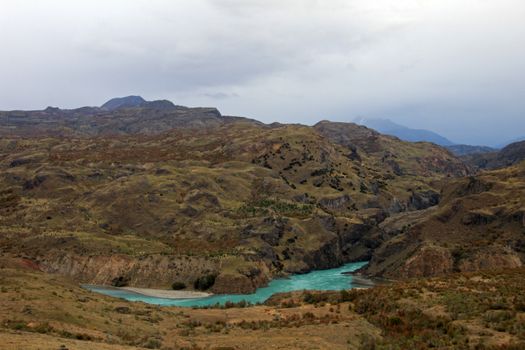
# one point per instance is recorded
(331, 279)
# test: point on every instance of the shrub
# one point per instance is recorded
(153, 343)
(178, 285)
(120, 281)
(204, 282)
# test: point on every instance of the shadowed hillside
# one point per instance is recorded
(509, 155)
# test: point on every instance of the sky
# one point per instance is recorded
(456, 67)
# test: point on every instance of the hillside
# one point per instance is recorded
(221, 196)
(464, 150)
(462, 311)
(479, 224)
(507, 156)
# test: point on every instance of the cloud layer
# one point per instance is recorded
(457, 67)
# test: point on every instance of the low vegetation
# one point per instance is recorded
(464, 311)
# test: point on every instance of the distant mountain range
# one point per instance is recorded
(386, 126)
(514, 140)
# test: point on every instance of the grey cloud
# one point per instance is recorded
(442, 64)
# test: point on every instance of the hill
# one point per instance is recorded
(128, 195)
(123, 102)
(464, 150)
(479, 224)
(508, 156)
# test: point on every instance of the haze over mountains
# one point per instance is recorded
(388, 127)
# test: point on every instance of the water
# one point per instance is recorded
(331, 279)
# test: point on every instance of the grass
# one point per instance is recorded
(476, 310)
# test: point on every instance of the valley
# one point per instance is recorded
(149, 194)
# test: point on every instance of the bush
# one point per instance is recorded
(205, 282)
(178, 285)
(120, 281)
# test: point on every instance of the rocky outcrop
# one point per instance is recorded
(242, 281)
(156, 271)
(337, 203)
(423, 200)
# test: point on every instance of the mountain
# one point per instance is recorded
(128, 115)
(123, 102)
(136, 102)
(463, 150)
(388, 127)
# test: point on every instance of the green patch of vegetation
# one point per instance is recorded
(178, 285)
(266, 206)
(204, 282)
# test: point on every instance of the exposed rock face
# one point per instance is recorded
(336, 203)
(151, 271)
(477, 218)
(326, 257)
(246, 281)
(423, 200)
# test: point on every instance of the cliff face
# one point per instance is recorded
(151, 271)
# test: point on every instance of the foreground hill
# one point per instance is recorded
(462, 311)
(147, 196)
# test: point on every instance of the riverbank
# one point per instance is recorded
(167, 294)
(329, 279)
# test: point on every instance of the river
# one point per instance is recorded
(330, 279)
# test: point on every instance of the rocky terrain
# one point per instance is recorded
(479, 224)
(149, 193)
(464, 150)
(511, 154)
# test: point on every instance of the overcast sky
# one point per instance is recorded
(456, 67)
